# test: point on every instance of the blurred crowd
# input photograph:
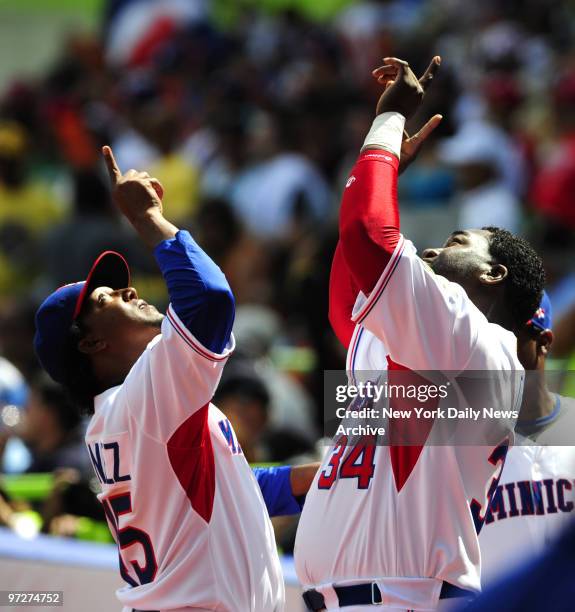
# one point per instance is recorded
(252, 123)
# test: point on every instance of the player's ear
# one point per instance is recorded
(90, 345)
(544, 342)
(495, 275)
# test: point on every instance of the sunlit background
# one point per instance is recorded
(251, 115)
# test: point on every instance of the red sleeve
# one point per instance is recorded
(342, 295)
(369, 217)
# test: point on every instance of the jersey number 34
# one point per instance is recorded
(357, 462)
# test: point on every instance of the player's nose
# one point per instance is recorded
(129, 293)
(431, 253)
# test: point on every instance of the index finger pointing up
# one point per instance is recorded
(111, 164)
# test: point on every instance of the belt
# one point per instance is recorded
(368, 593)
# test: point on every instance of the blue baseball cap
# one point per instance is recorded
(60, 309)
(542, 317)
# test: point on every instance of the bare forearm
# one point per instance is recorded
(153, 228)
(301, 477)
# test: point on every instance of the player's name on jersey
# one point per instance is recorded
(531, 497)
(423, 413)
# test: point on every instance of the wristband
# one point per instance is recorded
(387, 132)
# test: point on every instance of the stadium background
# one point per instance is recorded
(251, 114)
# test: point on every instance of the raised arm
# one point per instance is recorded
(343, 289)
(342, 295)
(369, 216)
(423, 320)
(199, 292)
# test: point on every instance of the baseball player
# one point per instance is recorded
(535, 495)
(395, 527)
(185, 509)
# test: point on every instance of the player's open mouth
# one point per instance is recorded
(142, 304)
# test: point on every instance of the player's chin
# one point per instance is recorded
(151, 316)
(156, 319)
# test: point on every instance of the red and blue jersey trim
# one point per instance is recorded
(189, 339)
(379, 288)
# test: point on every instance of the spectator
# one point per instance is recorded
(14, 456)
(484, 199)
(23, 202)
(279, 191)
(52, 428)
(256, 329)
(244, 399)
(91, 229)
(554, 186)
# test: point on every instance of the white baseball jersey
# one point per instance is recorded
(186, 511)
(534, 499)
(407, 517)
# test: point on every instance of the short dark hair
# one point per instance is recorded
(526, 275)
(241, 379)
(246, 388)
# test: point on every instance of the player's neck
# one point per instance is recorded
(497, 313)
(491, 303)
(112, 371)
(538, 401)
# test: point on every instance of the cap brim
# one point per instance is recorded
(109, 270)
